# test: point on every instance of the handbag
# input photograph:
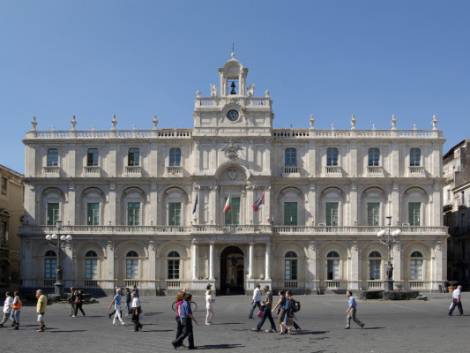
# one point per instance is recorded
(260, 314)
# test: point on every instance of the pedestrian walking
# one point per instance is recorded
(136, 309)
(7, 308)
(78, 303)
(179, 301)
(41, 306)
(186, 317)
(291, 306)
(279, 309)
(117, 299)
(266, 309)
(210, 300)
(71, 300)
(456, 301)
(16, 306)
(255, 301)
(128, 301)
(351, 312)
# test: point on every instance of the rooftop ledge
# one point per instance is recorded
(287, 133)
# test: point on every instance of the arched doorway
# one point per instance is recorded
(232, 271)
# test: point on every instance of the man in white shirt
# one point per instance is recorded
(456, 301)
(256, 300)
(7, 308)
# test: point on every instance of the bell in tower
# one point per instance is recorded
(233, 78)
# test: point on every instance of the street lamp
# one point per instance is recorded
(56, 239)
(388, 238)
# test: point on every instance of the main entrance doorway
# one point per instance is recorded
(232, 272)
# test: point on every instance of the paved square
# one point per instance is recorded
(406, 326)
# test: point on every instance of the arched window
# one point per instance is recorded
(416, 266)
(374, 157)
(175, 157)
(290, 157)
(332, 266)
(50, 264)
(52, 157)
(375, 264)
(91, 265)
(133, 157)
(415, 157)
(332, 156)
(173, 265)
(290, 266)
(132, 265)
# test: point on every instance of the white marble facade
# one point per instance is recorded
(146, 206)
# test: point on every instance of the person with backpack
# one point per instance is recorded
(186, 317)
(16, 306)
(117, 299)
(291, 306)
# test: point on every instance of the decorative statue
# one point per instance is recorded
(114, 122)
(251, 90)
(394, 122)
(312, 121)
(73, 122)
(389, 271)
(34, 124)
(213, 90)
(434, 122)
(353, 122)
(155, 122)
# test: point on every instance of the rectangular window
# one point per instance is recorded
(414, 213)
(92, 157)
(173, 268)
(290, 213)
(232, 217)
(416, 270)
(132, 268)
(93, 213)
(50, 267)
(91, 269)
(332, 269)
(52, 213)
(133, 213)
(4, 185)
(373, 211)
(174, 213)
(3, 233)
(374, 269)
(291, 269)
(133, 157)
(332, 214)
(52, 157)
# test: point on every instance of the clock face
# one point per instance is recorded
(232, 115)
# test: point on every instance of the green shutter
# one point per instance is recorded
(93, 210)
(52, 214)
(414, 213)
(332, 214)
(174, 213)
(133, 213)
(373, 210)
(290, 213)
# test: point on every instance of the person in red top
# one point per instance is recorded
(179, 301)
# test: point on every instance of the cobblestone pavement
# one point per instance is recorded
(406, 326)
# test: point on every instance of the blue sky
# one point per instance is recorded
(139, 58)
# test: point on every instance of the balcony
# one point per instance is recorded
(51, 171)
(133, 171)
(290, 284)
(333, 171)
(333, 284)
(92, 171)
(374, 285)
(290, 171)
(375, 171)
(176, 171)
(416, 171)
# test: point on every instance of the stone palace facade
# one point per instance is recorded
(146, 207)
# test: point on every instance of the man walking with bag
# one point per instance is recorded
(266, 308)
(256, 301)
(351, 311)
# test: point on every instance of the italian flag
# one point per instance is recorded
(227, 205)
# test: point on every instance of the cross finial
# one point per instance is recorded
(232, 53)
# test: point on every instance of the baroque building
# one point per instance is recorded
(11, 211)
(457, 211)
(234, 202)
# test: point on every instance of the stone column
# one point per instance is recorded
(69, 212)
(250, 260)
(353, 272)
(152, 219)
(69, 263)
(353, 221)
(196, 194)
(311, 276)
(398, 277)
(112, 205)
(211, 261)
(249, 215)
(194, 261)
(110, 274)
(152, 265)
(395, 205)
(266, 208)
(438, 272)
(267, 273)
(213, 205)
(311, 207)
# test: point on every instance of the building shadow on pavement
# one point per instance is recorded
(221, 346)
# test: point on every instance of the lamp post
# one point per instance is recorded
(390, 239)
(56, 239)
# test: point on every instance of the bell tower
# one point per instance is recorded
(232, 78)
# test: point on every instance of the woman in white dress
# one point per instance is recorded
(210, 300)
